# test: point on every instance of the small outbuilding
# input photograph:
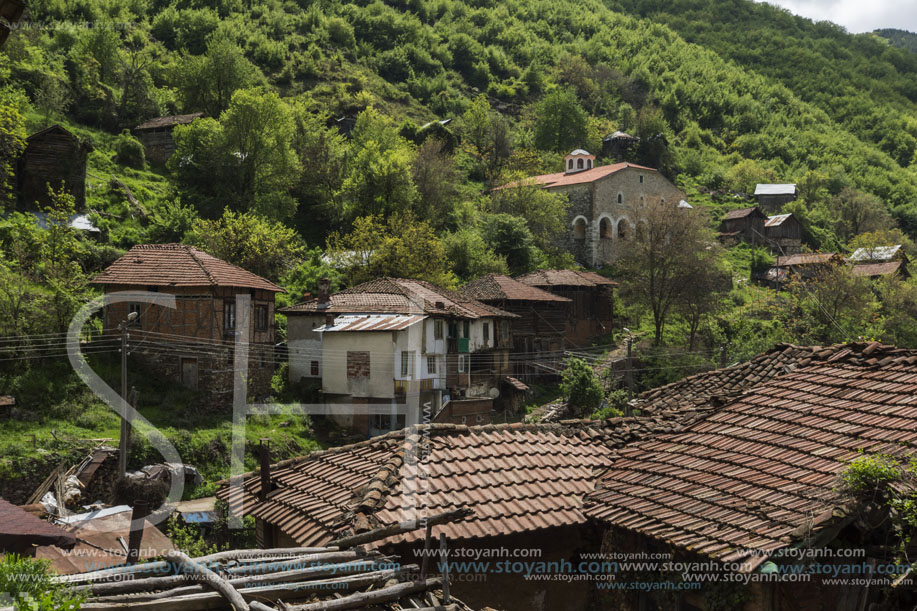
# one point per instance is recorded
(783, 233)
(772, 197)
(55, 157)
(743, 225)
(156, 136)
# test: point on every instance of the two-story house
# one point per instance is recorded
(393, 351)
(606, 204)
(194, 343)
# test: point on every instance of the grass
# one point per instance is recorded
(60, 419)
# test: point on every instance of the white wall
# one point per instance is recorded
(305, 345)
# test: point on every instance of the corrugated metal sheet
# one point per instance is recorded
(372, 322)
(782, 189)
(774, 221)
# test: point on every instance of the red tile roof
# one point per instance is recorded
(20, 529)
(759, 468)
(400, 296)
(562, 179)
(565, 277)
(515, 477)
(177, 265)
(717, 386)
(495, 287)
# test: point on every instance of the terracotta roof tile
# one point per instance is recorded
(562, 179)
(515, 477)
(759, 466)
(400, 296)
(565, 277)
(177, 265)
(494, 287)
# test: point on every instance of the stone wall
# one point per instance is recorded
(610, 225)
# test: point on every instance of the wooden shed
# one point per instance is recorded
(53, 156)
(783, 233)
(156, 136)
(745, 225)
(772, 197)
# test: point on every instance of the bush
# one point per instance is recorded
(129, 151)
(871, 474)
(28, 582)
(581, 387)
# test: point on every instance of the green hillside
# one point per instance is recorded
(722, 94)
(899, 38)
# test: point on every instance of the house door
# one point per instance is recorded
(189, 373)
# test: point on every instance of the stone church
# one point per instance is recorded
(606, 204)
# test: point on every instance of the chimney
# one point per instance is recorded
(264, 453)
(307, 296)
(324, 292)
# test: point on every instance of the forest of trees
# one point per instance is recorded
(722, 95)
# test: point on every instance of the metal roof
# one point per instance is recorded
(777, 219)
(764, 189)
(373, 322)
(876, 253)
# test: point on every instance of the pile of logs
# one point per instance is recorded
(335, 577)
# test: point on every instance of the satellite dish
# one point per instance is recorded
(494, 393)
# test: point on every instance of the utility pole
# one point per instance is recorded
(125, 425)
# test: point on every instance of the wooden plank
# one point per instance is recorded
(385, 532)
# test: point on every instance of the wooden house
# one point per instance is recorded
(591, 308)
(879, 261)
(55, 157)
(743, 225)
(772, 197)
(783, 233)
(618, 146)
(156, 136)
(194, 343)
(539, 329)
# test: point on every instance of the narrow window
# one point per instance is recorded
(453, 329)
(641, 179)
(605, 229)
(135, 308)
(589, 163)
(569, 164)
(437, 329)
(261, 317)
(466, 329)
(620, 198)
(505, 329)
(431, 365)
(314, 368)
(229, 315)
(486, 331)
(579, 164)
(622, 229)
(461, 363)
(407, 364)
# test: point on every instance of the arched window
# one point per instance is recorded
(579, 229)
(579, 164)
(589, 163)
(569, 164)
(622, 229)
(605, 229)
(620, 198)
